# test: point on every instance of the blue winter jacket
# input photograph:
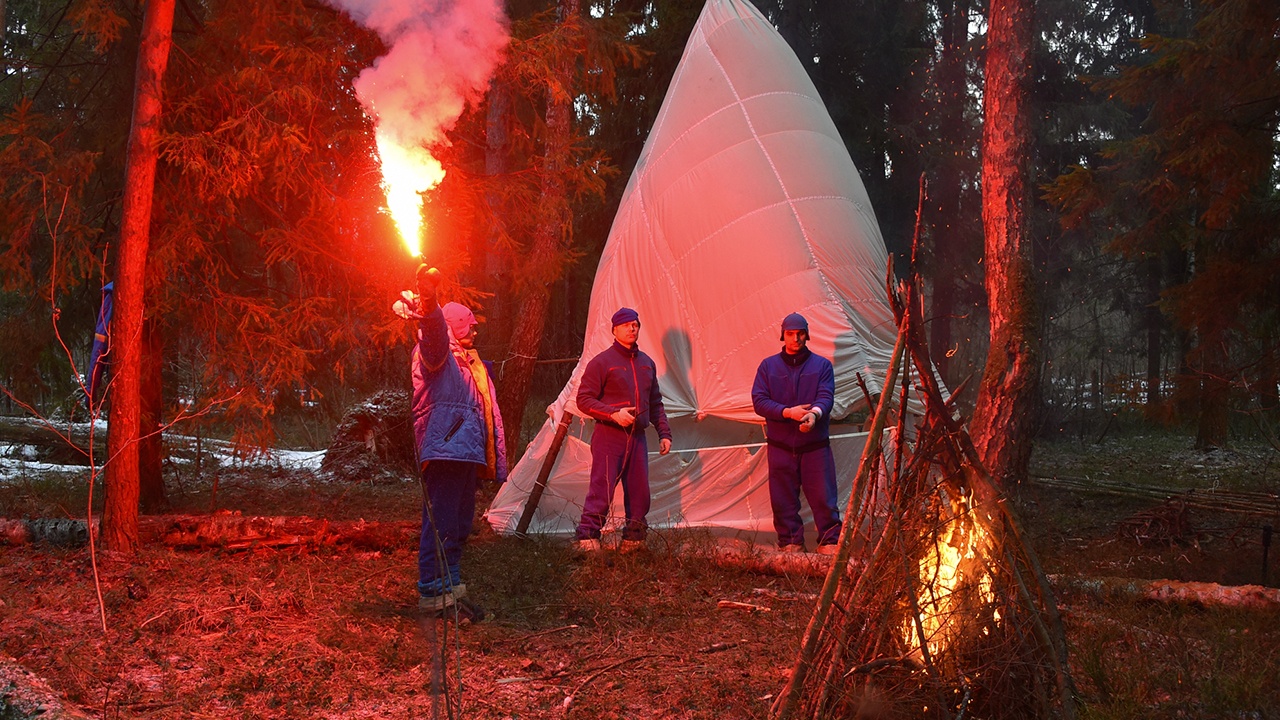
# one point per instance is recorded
(781, 384)
(448, 413)
(620, 377)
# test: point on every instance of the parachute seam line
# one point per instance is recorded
(676, 141)
(713, 368)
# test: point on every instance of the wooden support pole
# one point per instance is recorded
(548, 462)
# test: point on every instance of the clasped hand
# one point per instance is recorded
(802, 414)
(624, 417)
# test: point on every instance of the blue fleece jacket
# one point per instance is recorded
(783, 381)
(448, 412)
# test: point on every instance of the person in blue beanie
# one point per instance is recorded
(794, 392)
(619, 390)
(459, 438)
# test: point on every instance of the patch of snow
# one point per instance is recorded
(18, 452)
(298, 459)
(12, 469)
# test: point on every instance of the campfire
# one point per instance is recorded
(954, 583)
(935, 606)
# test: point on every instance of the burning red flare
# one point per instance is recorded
(441, 55)
(406, 174)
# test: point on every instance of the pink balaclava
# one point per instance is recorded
(459, 319)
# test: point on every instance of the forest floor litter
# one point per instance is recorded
(318, 631)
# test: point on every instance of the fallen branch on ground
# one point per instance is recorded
(745, 555)
(226, 531)
(1254, 597)
(1244, 503)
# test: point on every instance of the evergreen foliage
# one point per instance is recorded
(272, 266)
(1194, 187)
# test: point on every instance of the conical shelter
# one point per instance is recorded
(744, 206)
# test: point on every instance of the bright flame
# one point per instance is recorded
(952, 570)
(407, 172)
(440, 56)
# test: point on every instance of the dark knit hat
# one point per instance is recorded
(794, 321)
(624, 316)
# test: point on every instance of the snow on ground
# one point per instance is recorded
(18, 461)
(16, 468)
(225, 453)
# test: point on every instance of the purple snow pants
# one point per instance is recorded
(617, 456)
(447, 514)
(814, 472)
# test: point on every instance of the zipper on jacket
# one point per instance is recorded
(456, 424)
(635, 384)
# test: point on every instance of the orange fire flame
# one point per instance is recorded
(407, 172)
(952, 570)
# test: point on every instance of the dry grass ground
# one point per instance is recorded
(313, 634)
(321, 634)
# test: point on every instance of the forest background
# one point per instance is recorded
(1151, 222)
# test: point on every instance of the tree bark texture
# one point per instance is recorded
(1213, 418)
(150, 439)
(545, 260)
(120, 511)
(1153, 319)
(1003, 419)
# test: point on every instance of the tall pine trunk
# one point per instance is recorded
(545, 260)
(150, 445)
(1213, 419)
(1004, 420)
(120, 514)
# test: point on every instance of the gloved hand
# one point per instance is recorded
(810, 419)
(428, 283)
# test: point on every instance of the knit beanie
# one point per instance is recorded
(624, 316)
(794, 321)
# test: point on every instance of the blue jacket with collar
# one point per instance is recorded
(448, 414)
(780, 384)
(619, 377)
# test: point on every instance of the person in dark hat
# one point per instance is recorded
(619, 390)
(794, 392)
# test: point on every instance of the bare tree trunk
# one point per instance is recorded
(1003, 419)
(150, 443)
(1152, 318)
(496, 154)
(120, 514)
(545, 261)
(1212, 420)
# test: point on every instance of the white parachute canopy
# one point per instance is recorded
(744, 206)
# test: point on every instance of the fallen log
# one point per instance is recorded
(756, 558)
(1251, 597)
(1243, 503)
(228, 531)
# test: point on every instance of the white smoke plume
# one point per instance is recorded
(441, 56)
